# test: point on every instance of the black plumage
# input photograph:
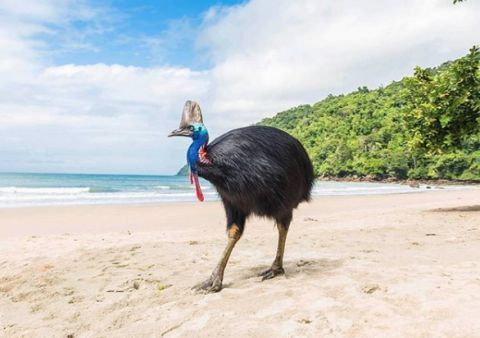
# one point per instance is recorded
(259, 170)
(256, 170)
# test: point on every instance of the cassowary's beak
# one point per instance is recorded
(181, 132)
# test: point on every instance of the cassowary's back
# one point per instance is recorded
(260, 170)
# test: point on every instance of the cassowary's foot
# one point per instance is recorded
(271, 273)
(213, 284)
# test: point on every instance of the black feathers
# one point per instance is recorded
(260, 170)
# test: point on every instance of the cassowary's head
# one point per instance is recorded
(191, 124)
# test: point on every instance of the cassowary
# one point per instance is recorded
(256, 170)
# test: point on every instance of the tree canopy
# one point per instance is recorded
(424, 126)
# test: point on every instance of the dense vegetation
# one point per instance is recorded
(423, 127)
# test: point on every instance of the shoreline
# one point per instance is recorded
(433, 189)
(318, 191)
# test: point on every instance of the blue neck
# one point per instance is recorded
(200, 138)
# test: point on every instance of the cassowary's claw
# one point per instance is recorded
(271, 273)
(213, 284)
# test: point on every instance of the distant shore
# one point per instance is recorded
(409, 182)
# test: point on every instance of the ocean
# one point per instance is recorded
(26, 189)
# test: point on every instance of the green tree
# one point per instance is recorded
(424, 126)
(443, 107)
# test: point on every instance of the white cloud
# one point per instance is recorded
(270, 55)
(104, 110)
(267, 55)
(83, 117)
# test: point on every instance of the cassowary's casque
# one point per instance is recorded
(256, 170)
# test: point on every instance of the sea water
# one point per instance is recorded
(26, 189)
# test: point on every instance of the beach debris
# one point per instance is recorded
(310, 219)
(431, 234)
(75, 299)
(369, 250)
(173, 328)
(120, 266)
(161, 286)
(304, 321)
(415, 243)
(369, 289)
(302, 263)
(131, 285)
(193, 242)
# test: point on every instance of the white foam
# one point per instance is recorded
(47, 191)
(15, 196)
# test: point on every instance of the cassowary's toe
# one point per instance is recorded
(213, 284)
(271, 273)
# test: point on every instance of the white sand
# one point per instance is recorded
(365, 266)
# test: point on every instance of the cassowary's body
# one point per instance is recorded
(259, 170)
(256, 170)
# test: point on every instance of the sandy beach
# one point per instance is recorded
(405, 265)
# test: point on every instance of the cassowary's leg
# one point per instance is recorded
(277, 266)
(235, 225)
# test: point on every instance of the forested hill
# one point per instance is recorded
(423, 127)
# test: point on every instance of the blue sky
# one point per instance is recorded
(96, 86)
(139, 33)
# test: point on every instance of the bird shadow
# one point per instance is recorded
(465, 208)
(299, 267)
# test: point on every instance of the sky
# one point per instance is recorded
(96, 86)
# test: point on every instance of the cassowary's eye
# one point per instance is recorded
(191, 128)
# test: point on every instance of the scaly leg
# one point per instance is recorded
(277, 265)
(214, 283)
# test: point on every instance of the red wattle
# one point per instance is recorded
(198, 189)
(191, 177)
